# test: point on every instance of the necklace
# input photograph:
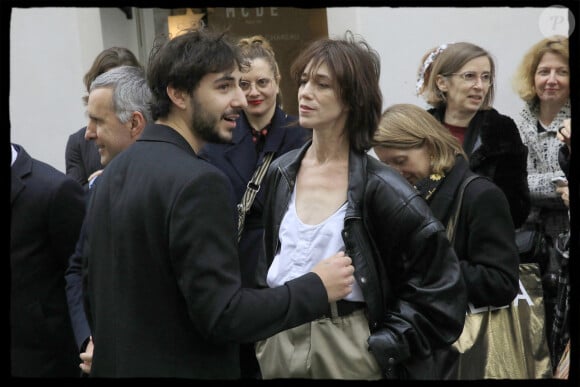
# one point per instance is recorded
(257, 135)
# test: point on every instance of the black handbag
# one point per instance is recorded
(531, 245)
(535, 247)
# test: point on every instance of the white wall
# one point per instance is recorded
(50, 51)
(52, 48)
(118, 30)
(403, 35)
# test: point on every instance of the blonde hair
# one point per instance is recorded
(258, 46)
(407, 126)
(446, 61)
(524, 78)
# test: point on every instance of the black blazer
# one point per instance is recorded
(47, 209)
(161, 275)
(74, 293)
(81, 157)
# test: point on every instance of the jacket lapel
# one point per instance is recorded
(22, 167)
(441, 202)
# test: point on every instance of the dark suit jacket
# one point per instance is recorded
(161, 275)
(81, 157)
(74, 290)
(47, 209)
(238, 160)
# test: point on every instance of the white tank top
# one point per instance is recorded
(304, 245)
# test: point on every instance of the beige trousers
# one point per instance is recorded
(327, 348)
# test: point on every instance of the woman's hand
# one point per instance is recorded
(565, 133)
(564, 194)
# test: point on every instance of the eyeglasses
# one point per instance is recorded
(262, 83)
(472, 76)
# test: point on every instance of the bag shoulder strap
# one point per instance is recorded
(252, 190)
(452, 222)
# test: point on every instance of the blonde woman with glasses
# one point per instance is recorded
(457, 80)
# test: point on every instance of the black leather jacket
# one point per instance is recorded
(409, 274)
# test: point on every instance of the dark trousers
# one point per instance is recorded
(248, 362)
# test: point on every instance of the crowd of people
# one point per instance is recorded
(151, 261)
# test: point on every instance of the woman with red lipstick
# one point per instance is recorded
(457, 80)
(262, 127)
(542, 81)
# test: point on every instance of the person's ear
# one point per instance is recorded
(138, 122)
(178, 97)
(442, 83)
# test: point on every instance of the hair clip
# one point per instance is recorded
(430, 59)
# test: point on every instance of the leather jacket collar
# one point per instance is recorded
(357, 164)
